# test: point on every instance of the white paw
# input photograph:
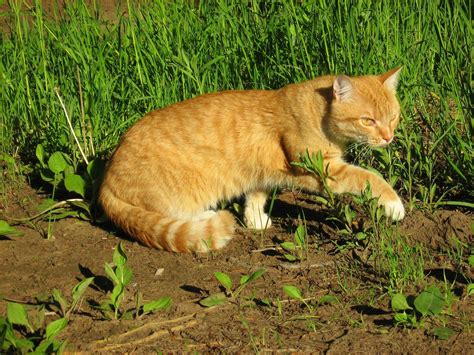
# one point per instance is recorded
(258, 222)
(394, 209)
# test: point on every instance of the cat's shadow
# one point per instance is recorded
(288, 215)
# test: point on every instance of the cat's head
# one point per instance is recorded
(365, 109)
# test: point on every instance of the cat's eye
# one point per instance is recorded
(367, 121)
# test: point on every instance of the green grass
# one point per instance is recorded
(110, 73)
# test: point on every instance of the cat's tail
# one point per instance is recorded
(210, 231)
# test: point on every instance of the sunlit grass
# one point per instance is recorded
(162, 53)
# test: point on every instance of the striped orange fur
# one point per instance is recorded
(171, 168)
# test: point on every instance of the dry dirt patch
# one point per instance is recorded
(264, 319)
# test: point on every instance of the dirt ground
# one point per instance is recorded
(263, 319)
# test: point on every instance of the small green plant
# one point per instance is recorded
(341, 213)
(429, 303)
(121, 275)
(298, 249)
(7, 230)
(295, 293)
(61, 171)
(64, 307)
(24, 333)
(230, 292)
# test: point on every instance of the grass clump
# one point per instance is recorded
(110, 72)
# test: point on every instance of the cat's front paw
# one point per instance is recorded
(394, 209)
(258, 222)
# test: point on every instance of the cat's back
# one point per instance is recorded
(220, 104)
(206, 117)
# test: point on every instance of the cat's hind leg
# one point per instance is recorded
(254, 215)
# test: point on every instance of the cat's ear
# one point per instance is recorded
(342, 88)
(390, 79)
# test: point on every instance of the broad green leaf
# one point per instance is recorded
(471, 260)
(161, 303)
(24, 344)
(292, 291)
(7, 230)
(224, 279)
(399, 302)
(6, 334)
(16, 314)
(300, 235)
(320, 199)
(7, 158)
(470, 289)
(257, 274)
(59, 298)
(69, 170)
(79, 289)
(214, 300)
(81, 204)
(401, 317)
(328, 299)
(111, 273)
(429, 301)
(57, 163)
(124, 274)
(47, 346)
(443, 333)
(75, 183)
(289, 246)
(55, 327)
(96, 169)
(244, 279)
(290, 257)
(40, 154)
(119, 257)
(47, 175)
(117, 295)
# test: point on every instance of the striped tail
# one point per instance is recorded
(157, 231)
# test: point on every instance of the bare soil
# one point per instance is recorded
(263, 318)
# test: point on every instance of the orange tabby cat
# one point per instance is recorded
(172, 167)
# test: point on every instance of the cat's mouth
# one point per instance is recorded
(378, 143)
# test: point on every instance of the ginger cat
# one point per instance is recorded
(172, 167)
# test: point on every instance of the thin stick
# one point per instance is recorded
(70, 126)
(152, 325)
(81, 101)
(150, 337)
(56, 205)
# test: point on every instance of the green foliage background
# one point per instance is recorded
(165, 51)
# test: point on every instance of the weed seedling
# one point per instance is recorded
(121, 275)
(428, 304)
(65, 309)
(230, 293)
(296, 250)
(20, 333)
(8, 231)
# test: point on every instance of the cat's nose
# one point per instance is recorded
(387, 136)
